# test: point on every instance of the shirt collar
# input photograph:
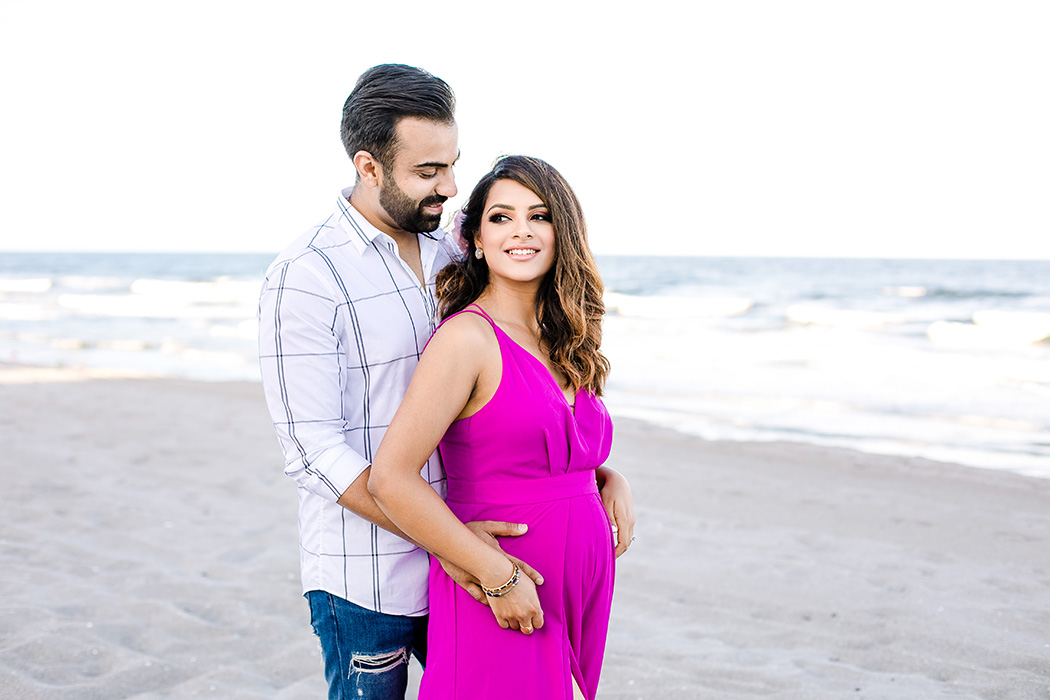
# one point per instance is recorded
(362, 233)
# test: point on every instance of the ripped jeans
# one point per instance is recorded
(365, 653)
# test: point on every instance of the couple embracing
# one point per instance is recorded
(437, 400)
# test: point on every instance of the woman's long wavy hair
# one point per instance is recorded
(569, 306)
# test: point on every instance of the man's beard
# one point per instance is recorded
(408, 215)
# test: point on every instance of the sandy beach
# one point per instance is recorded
(148, 550)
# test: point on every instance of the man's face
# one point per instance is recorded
(420, 178)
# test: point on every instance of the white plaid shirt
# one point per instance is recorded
(342, 323)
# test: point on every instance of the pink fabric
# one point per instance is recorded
(525, 457)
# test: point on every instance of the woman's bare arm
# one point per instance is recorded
(462, 355)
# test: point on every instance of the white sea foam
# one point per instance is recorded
(1032, 323)
(126, 345)
(667, 307)
(811, 314)
(27, 311)
(37, 285)
(221, 291)
(91, 283)
(148, 306)
(993, 329)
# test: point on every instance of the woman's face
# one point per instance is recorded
(516, 233)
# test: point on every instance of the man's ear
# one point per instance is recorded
(369, 169)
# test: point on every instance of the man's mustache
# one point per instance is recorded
(433, 200)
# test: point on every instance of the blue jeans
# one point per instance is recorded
(365, 653)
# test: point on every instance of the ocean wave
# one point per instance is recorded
(91, 283)
(143, 306)
(812, 315)
(660, 307)
(165, 299)
(950, 293)
(906, 291)
(220, 291)
(993, 329)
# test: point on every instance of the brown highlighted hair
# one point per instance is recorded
(569, 307)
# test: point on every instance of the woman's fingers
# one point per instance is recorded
(519, 609)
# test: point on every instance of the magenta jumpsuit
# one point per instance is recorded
(527, 457)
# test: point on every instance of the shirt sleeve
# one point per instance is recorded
(302, 377)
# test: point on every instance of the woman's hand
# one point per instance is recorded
(619, 504)
(519, 608)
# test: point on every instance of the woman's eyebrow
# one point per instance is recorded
(497, 205)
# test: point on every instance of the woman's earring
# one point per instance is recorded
(478, 254)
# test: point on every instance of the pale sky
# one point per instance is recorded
(838, 128)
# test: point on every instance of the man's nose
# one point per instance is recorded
(446, 186)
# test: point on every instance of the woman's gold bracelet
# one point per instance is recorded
(505, 588)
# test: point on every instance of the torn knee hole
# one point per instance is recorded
(378, 663)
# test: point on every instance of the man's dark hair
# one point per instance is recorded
(386, 94)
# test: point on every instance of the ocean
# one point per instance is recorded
(943, 359)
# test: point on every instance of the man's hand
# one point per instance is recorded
(487, 531)
(619, 504)
(464, 580)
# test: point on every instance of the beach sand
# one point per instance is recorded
(148, 550)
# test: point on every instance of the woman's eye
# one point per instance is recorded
(499, 218)
(541, 216)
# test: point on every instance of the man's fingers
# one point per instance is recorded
(617, 537)
(624, 540)
(498, 528)
(527, 569)
(479, 595)
(625, 527)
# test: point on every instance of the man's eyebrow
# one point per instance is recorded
(434, 164)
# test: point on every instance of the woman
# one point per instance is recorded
(509, 385)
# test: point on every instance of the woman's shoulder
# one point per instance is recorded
(466, 330)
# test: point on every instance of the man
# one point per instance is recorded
(344, 314)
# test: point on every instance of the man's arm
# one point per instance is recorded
(300, 360)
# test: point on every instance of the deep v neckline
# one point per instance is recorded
(546, 370)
